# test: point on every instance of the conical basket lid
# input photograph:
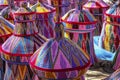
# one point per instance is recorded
(60, 55)
(42, 8)
(81, 18)
(24, 40)
(114, 11)
(113, 14)
(24, 19)
(96, 4)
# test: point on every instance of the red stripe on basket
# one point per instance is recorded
(60, 70)
(6, 35)
(80, 23)
(15, 54)
(21, 35)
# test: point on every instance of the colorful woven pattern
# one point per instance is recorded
(7, 12)
(60, 58)
(110, 36)
(79, 26)
(44, 14)
(110, 2)
(5, 32)
(97, 8)
(18, 48)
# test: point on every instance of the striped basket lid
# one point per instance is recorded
(95, 4)
(60, 55)
(114, 11)
(24, 19)
(113, 14)
(79, 18)
(42, 8)
(25, 39)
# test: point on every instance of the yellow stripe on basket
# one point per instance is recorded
(69, 26)
(66, 34)
(107, 37)
(1, 32)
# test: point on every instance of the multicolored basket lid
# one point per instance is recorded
(42, 8)
(25, 39)
(44, 18)
(110, 35)
(113, 14)
(97, 8)
(92, 4)
(59, 58)
(84, 19)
